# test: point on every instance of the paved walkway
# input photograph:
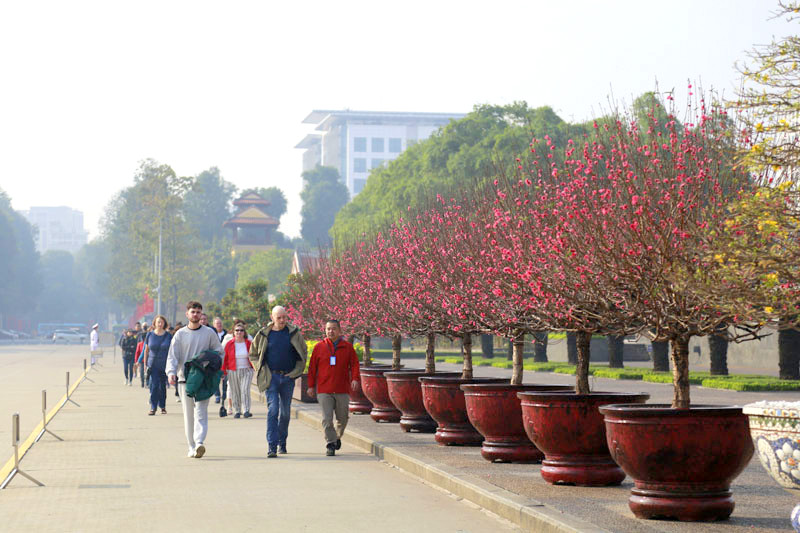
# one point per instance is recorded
(121, 470)
(760, 504)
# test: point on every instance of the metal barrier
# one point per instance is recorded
(44, 419)
(15, 444)
(86, 374)
(68, 398)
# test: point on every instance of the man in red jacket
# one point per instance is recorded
(332, 373)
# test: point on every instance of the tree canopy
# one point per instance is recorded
(463, 151)
(323, 196)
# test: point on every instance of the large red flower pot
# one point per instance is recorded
(682, 461)
(373, 384)
(405, 391)
(359, 404)
(494, 410)
(569, 429)
(444, 401)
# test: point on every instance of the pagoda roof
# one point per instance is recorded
(251, 199)
(251, 216)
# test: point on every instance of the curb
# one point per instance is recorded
(526, 513)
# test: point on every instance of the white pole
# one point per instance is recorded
(158, 305)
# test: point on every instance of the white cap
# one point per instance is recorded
(96, 325)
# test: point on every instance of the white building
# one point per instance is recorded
(59, 228)
(355, 142)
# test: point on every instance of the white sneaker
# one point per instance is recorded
(126, 381)
(190, 454)
(199, 451)
(177, 400)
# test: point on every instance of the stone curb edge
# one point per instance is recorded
(526, 513)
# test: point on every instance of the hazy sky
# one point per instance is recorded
(88, 89)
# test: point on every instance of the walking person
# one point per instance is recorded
(186, 343)
(222, 392)
(128, 344)
(279, 353)
(156, 350)
(333, 371)
(139, 361)
(239, 370)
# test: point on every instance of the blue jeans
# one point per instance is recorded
(158, 388)
(127, 366)
(279, 403)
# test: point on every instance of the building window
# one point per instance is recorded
(395, 145)
(376, 163)
(377, 144)
(359, 164)
(358, 185)
(359, 144)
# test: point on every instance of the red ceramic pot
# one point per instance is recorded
(682, 461)
(405, 391)
(373, 384)
(494, 410)
(571, 432)
(444, 401)
(360, 404)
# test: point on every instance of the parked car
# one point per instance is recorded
(8, 334)
(68, 336)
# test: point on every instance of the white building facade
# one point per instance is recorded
(355, 142)
(59, 228)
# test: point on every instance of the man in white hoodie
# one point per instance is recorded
(186, 343)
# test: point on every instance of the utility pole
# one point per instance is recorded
(158, 290)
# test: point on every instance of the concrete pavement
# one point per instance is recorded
(121, 470)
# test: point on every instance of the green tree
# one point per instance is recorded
(275, 197)
(768, 95)
(461, 152)
(132, 224)
(207, 204)
(273, 266)
(64, 298)
(20, 276)
(323, 195)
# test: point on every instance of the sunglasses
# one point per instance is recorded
(238, 330)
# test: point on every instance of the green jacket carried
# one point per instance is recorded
(258, 355)
(203, 372)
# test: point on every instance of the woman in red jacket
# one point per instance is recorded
(239, 370)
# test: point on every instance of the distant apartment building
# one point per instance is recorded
(355, 142)
(59, 228)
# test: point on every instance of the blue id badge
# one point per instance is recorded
(333, 360)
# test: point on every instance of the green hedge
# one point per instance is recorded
(750, 384)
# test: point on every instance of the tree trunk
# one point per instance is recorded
(540, 347)
(661, 356)
(616, 347)
(510, 350)
(718, 350)
(680, 372)
(487, 346)
(430, 356)
(789, 354)
(466, 352)
(583, 340)
(367, 351)
(516, 373)
(396, 347)
(572, 348)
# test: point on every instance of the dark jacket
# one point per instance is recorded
(258, 355)
(203, 374)
(128, 345)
